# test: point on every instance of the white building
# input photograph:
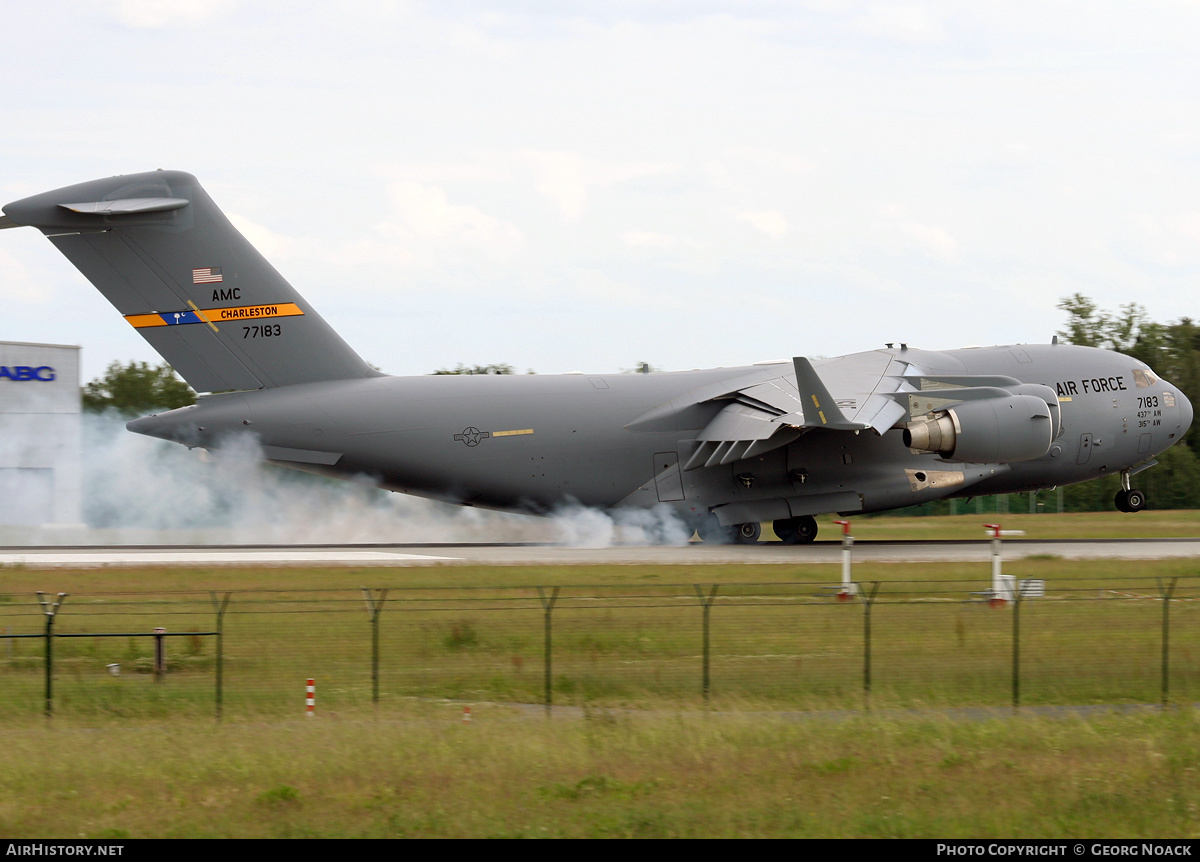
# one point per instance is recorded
(41, 463)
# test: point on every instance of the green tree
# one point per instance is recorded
(499, 368)
(1085, 322)
(1090, 326)
(1174, 483)
(641, 368)
(136, 389)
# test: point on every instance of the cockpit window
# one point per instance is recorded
(1144, 378)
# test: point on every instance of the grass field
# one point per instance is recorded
(633, 748)
(422, 772)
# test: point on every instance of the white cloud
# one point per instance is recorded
(934, 241)
(156, 14)
(270, 244)
(16, 282)
(567, 178)
(560, 180)
(425, 212)
(901, 232)
(650, 239)
(770, 222)
(1169, 241)
(901, 23)
(597, 285)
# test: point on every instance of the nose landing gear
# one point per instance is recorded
(1129, 499)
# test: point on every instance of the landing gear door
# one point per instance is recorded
(667, 480)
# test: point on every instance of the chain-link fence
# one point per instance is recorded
(791, 645)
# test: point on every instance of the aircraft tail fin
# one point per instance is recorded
(169, 260)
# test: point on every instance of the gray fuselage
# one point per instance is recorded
(533, 442)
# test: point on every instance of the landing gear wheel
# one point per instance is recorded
(787, 530)
(1129, 499)
(711, 531)
(796, 531)
(747, 534)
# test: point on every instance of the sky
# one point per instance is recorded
(584, 186)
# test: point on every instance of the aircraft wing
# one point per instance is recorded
(866, 387)
(851, 393)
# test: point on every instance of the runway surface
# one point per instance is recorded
(520, 554)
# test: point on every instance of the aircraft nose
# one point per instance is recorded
(1185, 411)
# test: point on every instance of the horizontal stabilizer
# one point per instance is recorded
(127, 206)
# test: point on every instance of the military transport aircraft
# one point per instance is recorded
(726, 448)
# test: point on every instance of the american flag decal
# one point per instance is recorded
(207, 275)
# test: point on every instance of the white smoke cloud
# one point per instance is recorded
(583, 527)
(138, 489)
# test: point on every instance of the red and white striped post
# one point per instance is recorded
(1003, 586)
(310, 698)
(466, 715)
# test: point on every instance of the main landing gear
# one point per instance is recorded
(711, 531)
(1129, 499)
(791, 531)
(796, 531)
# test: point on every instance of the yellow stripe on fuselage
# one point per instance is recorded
(141, 321)
(246, 312)
(209, 315)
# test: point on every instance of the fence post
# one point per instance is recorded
(374, 608)
(49, 608)
(705, 606)
(1166, 636)
(547, 606)
(160, 654)
(219, 607)
(867, 598)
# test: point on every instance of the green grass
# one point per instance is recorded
(627, 639)
(419, 771)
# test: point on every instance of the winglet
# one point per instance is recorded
(820, 410)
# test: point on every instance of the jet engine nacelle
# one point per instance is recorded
(986, 431)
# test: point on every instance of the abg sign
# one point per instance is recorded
(18, 373)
